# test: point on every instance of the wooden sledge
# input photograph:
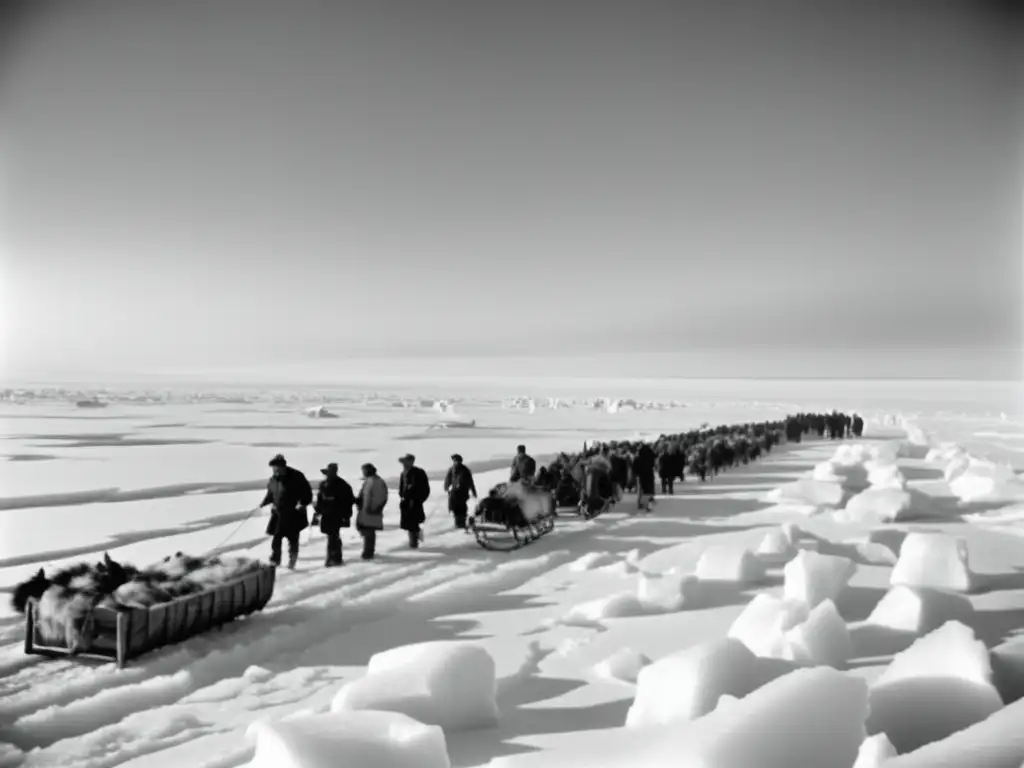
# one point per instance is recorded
(126, 633)
(511, 530)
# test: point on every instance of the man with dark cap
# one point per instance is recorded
(523, 467)
(289, 494)
(333, 511)
(413, 490)
(459, 486)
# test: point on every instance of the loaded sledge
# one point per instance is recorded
(511, 516)
(116, 612)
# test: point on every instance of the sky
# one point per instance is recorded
(688, 189)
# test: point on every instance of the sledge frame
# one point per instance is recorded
(122, 634)
(496, 537)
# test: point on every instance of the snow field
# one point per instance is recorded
(697, 634)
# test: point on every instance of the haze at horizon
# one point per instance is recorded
(645, 189)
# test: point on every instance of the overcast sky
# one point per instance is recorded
(730, 188)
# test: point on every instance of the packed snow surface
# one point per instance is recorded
(767, 600)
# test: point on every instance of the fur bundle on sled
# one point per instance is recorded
(515, 505)
(66, 599)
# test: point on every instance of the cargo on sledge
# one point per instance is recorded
(121, 633)
(511, 516)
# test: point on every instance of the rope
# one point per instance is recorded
(235, 530)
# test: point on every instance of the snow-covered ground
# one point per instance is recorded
(788, 613)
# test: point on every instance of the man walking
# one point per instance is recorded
(289, 494)
(333, 511)
(413, 490)
(459, 486)
(373, 497)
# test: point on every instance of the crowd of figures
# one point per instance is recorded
(604, 471)
(589, 481)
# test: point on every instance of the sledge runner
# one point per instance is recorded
(523, 467)
(289, 494)
(333, 511)
(372, 498)
(413, 490)
(459, 486)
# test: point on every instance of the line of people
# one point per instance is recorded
(289, 496)
(573, 479)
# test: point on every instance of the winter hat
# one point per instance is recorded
(457, 457)
(278, 461)
(408, 458)
(330, 469)
(369, 469)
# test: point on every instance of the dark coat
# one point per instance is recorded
(289, 496)
(643, 469)
(523, 468)
(334, 503)
(413, 490)
(459, 482)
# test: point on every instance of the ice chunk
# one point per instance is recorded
(667, 592)
(625, 665)
(982, 479)
(884, 475)
(940, 685)
(368, 739)
(1008, 669)
(730, 564)
(883, 505)
(793, 532)
(615, 606)
(853, 454)
(952, 650)
(811, 577)
(688, 684)
(874, 752)
(822, 639)
(824, 706)
(850, 476)
(763, 624)
(919, 610)
(945, 453)
(997, 742)
(450, 683)
(776, 544)
(815, 493)
(811, 717)
(934, 560)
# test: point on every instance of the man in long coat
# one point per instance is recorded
(413, 490)
(289, 494)
(333, 511)
(459, 485)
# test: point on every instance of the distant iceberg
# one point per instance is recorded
(320, 412)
